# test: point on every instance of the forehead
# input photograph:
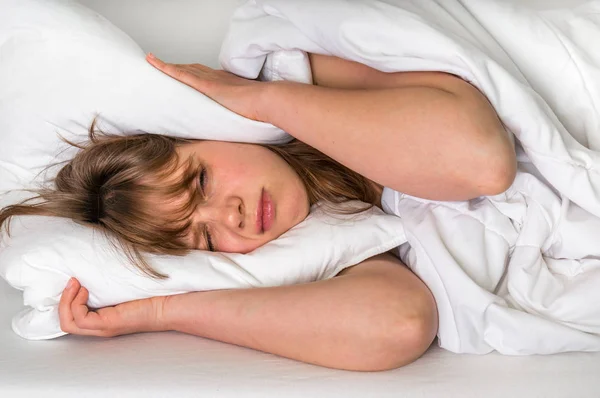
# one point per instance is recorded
(221, 152)
(194, 149)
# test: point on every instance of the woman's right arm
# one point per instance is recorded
(426, 134)
(374, 316)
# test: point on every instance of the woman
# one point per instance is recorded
(427, 134)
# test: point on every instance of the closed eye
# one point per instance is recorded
(202, 180)
(209, 240)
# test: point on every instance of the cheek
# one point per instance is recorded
(298, 207)
(235, 176)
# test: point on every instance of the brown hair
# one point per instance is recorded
(107, 186)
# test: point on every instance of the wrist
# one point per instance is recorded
(270, 99)
(266, 97)
(160, 321)
(183, 312)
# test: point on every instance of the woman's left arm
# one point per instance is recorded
(376, 315)
(427, 134)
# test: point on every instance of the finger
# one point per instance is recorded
(158, 64)
(151, 58)
(170, 69)
(64, 306)
(182, 73)
(194, 67)
(82, 316)
(68, 321)
(79, 307)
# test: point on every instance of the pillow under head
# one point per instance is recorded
(61, 65)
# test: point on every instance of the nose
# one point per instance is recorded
(228, 212)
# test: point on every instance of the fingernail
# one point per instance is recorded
(71, 283)
(150, 55)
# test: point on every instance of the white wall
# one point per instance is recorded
(180, 31)
(188, 31)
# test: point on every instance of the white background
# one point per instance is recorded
(179, 31)
(190, 31)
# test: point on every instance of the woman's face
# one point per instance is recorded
(250, 196)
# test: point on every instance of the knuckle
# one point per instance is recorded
(180, 73)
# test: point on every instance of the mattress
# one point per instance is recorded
(172, 364)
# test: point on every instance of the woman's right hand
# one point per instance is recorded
(242, 96)
(135, 316)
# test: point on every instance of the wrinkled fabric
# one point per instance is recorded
(517, 272)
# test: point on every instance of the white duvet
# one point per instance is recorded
(518, 272)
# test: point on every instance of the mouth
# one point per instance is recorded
(265, 212)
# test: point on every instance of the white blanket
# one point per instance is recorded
(518, 272)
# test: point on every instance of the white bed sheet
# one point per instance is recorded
(172, 364)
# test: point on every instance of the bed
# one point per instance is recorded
(174, 364)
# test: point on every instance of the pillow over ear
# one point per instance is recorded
(60, 65)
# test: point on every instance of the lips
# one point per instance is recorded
(268, 211)
(265, 212)
(259, 213)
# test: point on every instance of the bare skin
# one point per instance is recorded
(232, 180)
(427, 134)
(376, 315)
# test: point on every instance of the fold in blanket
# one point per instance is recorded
(518, 272)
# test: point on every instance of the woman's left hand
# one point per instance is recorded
(131, 317)
(237, 94)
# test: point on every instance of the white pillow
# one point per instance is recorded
(60, 64)
(45, 252)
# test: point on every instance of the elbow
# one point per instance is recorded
(496, 167)
(412, 337)
(411, 340)
(493, 165)
(498, 173)
(405, 339)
